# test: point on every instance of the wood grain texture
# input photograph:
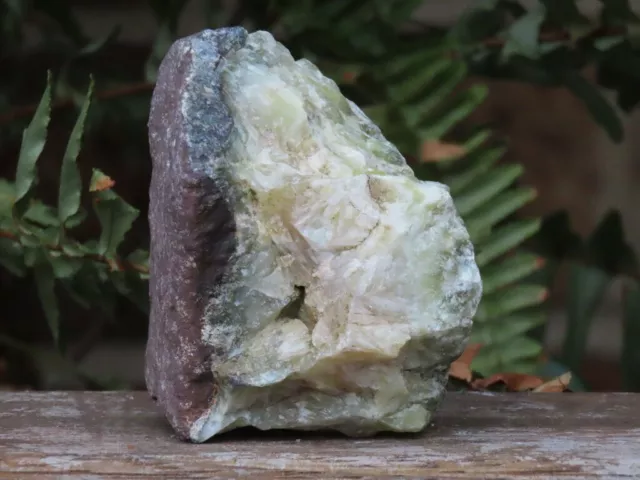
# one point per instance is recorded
(475, 435)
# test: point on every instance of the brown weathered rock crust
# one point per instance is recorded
(192, 229)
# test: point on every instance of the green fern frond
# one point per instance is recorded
(35, 237)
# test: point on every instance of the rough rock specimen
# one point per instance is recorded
(301, 276)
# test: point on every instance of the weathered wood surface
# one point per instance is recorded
(479, 435)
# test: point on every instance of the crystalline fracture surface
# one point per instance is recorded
(301, 276)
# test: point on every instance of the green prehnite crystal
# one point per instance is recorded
(352, 286)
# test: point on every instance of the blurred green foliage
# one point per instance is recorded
(410, 78)
(37, 239)
(594, 265)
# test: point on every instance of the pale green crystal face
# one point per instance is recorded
(355, 283)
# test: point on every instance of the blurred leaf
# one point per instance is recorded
(394, 71)
(556, 385)
(519, 348)
(563, 12)
(460, 369)
(617, 12)
(556, 238)
(63, 88)
(396, 12)
(116, 216)
(45, 285)
(552, 368)
(140, 259)
(17, 345)
(414, 112)
(515, 356)
(486, 159)
(619, 70)
(42, 214)
(357, 17)
(607, 43)
(87, 289)
(48, 236)
(513, 8)
(481, 20)
(98, 44)
(341, 73)
(73, 249)
(514, 382)
(130, 286)
(12, 18)
(437, 151)
(61, 12)
(476, 141)
(76, 219)
(510, 270)
(608, 249)
(498, 305)
(460, 107)
(630, 361)
(161, 45)
(295, 19)
(31, 255)
(586, 289)
(63, 266)
(90, 246)
(33, 140)
(522, 36)
(12, 257)
(167, 13)
(533, 71)
(504, 329)
(70, 182)
(496, 210)
(30, 241)
(486, 187)
(214, 14)
(101, 182)
(15, 7)
(74, 295)
(7, 197)
(505, 238)
(600, 108)
(417, 75)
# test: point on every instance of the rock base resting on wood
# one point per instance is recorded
(301, 276)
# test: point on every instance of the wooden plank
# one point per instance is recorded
(475, 435)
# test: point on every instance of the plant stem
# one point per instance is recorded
(118, 262)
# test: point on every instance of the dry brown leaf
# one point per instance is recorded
(515, 382)
(559, 384)
(104, 183)
(544, 296)
(349, 77)
(436, 151)
(461, 368)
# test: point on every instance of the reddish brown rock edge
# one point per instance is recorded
(192, 226)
